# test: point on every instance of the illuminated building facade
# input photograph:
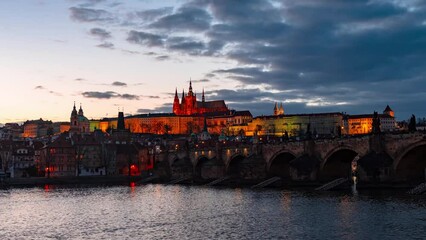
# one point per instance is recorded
(294, 125)
(187, 117)
(363, 124)
(190, 106)
(37, 128)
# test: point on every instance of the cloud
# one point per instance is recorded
(152, 14)
(109, 95)
(130, 51)
(144, 38)
(201, 81)
(162, 57)
(165, 108)
(39, 87)
(106, 45)
(100, 33)
(129, 97)
(80, 80)
(119, 84)
(313, 55)
(82, 14)
(152, 97)
(185, 19)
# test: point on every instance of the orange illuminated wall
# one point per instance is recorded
(362, 125)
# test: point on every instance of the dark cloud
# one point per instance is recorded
(166, 108)
(90, 15)
(129, 97)
(119, 84)
(186, 45)
(185, 19)
(109, 95)
(152, 14)
(312, 55)
(107, 45)
(151, 97)
(80, 80)
(201, 80)
(39, 88)
(144, 38)
(100, 33)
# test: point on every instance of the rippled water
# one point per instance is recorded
(183, 212)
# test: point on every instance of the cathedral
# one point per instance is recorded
(190, 106)
(278, 110)
(79, 123)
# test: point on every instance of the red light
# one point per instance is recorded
(132, 166)
(132, 184)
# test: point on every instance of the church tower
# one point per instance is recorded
(281, 109)
(276, 109)
(78, 122)
(80, 111)
(203, 99)
(74, 126)
(176, 105)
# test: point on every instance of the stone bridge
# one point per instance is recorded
(374, 158)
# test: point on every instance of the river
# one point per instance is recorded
(191, 212)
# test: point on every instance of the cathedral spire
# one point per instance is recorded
(190, 93)
(74, 111)
(183, 95)
(203, 99)
(80, 111)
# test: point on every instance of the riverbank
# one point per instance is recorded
(139, 180)
(86, 180)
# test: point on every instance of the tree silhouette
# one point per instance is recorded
(412, 124)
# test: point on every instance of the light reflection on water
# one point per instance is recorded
(183, 212)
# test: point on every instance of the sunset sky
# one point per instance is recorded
(313, 56)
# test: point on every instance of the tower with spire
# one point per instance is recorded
(176, 105)
(78, 122)
(190, 106)
(278, 110)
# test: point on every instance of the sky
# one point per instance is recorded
(310, 55)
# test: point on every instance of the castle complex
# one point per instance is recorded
(189, 115)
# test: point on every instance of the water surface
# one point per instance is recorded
(189, 212)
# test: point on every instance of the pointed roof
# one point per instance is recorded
(276, 107)
(183, 95)
(80, 111)
(203, 99)
(388, 109)
(74, 110)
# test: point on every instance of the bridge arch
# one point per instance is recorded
(279, 164)
(337, 163)
(199, 158)
(410, 165)
(172, 158)
(233, 166)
